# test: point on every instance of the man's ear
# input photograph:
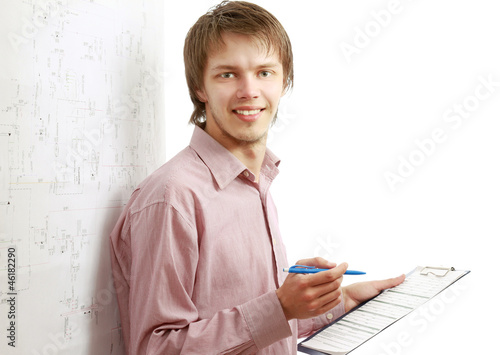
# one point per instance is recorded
(201, 95)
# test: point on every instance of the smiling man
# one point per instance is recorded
(242, 85)
(197, 254)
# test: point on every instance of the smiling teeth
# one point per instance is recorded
(247, 113)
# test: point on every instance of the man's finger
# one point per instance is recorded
(333, 301)
(328, 276)
(388, 283)
(318, 262)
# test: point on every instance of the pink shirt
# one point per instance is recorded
(197, 256)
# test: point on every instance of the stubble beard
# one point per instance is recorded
(243, 139)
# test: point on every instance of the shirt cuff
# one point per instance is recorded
(330, 316)
(266, 320)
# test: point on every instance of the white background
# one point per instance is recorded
(352, 118)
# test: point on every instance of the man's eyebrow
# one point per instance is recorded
(232, 67)
(223, 67)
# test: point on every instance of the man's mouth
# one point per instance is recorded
(248, 112)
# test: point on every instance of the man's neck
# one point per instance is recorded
(251, 154)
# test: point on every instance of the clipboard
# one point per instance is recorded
(373, 316)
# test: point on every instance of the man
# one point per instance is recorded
(197, 254)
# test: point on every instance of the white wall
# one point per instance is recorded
(81, 124)
(373, 78)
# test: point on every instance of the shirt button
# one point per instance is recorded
(329, 316)
(246, 173)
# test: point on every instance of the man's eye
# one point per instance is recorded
(227, 75)
(265, 74)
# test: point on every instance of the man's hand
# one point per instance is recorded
(308, 295)
(358, 293)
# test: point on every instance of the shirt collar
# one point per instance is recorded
(223, 165)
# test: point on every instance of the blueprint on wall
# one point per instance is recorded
(81, 118)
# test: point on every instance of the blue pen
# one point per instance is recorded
(304, 269)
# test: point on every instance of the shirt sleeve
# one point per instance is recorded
(307, 327)
(162, 264)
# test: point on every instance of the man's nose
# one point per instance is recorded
(248, 88)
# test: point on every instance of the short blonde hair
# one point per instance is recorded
(231, 17)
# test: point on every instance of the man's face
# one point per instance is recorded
(242, 88)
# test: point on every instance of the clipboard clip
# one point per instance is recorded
(436, 271)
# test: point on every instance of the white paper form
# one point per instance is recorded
(380, 312)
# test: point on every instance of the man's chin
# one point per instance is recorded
(252, 139)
